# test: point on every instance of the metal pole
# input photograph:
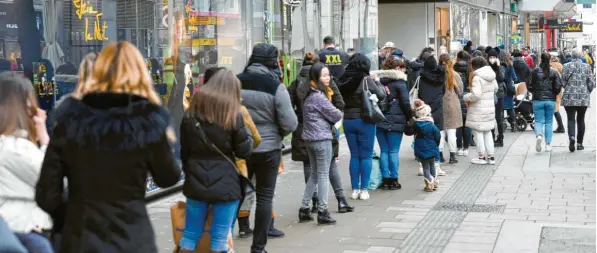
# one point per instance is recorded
(137, 23)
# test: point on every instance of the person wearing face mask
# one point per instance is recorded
(319, 117)
(494, 63)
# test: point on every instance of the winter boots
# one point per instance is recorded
(244, 227)
(273, 232)
(453, 158)
(390, 184)
(499, 142)
(343, 206)
(324, 218)
(560, 128)
(305, 215)
(441, 157)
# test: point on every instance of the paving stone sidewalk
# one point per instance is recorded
(527, 202)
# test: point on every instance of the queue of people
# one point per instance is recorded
(231, 139)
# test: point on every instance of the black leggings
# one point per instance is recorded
(576, 116)
(499, 117)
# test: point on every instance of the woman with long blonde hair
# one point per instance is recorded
(452, 110)
(83, 79)
(106, 144)
(212, 135)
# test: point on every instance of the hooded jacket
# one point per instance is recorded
(481, 111)
(545, 86)
(523, 71)
(398, 111)
(432, 87)
(269, 104)
(298, 90)
(461, 68)
(427, 138)
(350, 85)
(397, 52)
(106, 144)
(528, 60)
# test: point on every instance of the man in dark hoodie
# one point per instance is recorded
(432, 87)
(522, 69)
(269, 104)
(333, 58)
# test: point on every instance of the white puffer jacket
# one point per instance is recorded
(481, 109)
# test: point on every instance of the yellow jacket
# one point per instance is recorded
(241, 163)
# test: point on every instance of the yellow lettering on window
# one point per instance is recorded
(83, 8)
(226, 60)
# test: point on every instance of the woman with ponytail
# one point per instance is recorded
(545, 85)
(452, 111)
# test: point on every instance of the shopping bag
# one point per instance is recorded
(178, 215)
(413, 95)
(376, 177)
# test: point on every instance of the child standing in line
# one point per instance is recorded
(427, 137)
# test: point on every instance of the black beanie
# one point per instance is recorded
(492, 52)
(266, 54)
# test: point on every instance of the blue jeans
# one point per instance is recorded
(389, 144)
(544, 110)
(35, 243)
(361, 138)
(223, 215)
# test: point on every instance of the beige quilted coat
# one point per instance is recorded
(481, 104)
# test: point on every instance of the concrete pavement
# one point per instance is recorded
(527, 202)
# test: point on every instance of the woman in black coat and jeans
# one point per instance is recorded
(298, 91)
(212, 135)
(463, 134)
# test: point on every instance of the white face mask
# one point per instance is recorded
(494, 61)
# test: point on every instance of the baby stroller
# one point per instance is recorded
(523, 106)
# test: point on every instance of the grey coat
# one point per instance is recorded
(268, 102)
(578, 82)
(451, 100)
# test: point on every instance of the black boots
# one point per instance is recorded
(305, 215)
(314, 207)
(560, 128)
(385, 183)
(453, 158)
(571, 146)
(343, 206)
(394, 185)
(244, 227)
(274, 232)
(324, 218)
(580, 147)
(441, 157)
(499, 142)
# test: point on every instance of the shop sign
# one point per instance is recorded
(516, 39)
(499, 40)
(226, 60)
(571, 27)
(205, 20)
(204, 42)
(585, 1)
(84, 8)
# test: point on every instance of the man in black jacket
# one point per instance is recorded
(333, 58)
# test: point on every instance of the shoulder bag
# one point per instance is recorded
(245, 182)
(370, 111)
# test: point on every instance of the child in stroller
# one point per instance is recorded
(523, 106)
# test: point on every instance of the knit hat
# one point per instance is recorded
(421, 110)
(266, 54)
(492, 52)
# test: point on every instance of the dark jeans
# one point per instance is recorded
(264, 166)
(511, 117)
(576, 116)
(499, 117)
(463, 135)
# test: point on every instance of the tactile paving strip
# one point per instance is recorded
(433, 233)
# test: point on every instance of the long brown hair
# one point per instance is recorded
(446, 61)
(120, 68)
(218, 100)
(18, 105)
(85, 74)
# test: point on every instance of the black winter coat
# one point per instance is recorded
(398, 111)
(432, 87)
(210, 177)
(461, 68)
(413, 70)
(350, 85)
(523, 71)
(106, 145)
(545, 87)
(500, 78)
(298, 91)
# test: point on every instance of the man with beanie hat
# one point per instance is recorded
(269, 104)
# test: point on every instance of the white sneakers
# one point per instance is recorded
(420, 173)
(462, 152)
(539, 143)
(548, 147)
(483, 161)
(439, 171)
(360, 194)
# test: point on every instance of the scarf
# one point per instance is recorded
(328, 91)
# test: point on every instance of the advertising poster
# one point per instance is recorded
(500, 40)
(516, 39)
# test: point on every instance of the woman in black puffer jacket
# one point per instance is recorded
(298, 90)
(463, 134)
(500, 75)
(359, 133)
(397, 113)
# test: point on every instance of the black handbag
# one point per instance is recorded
(245, 182)
(370, 111)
